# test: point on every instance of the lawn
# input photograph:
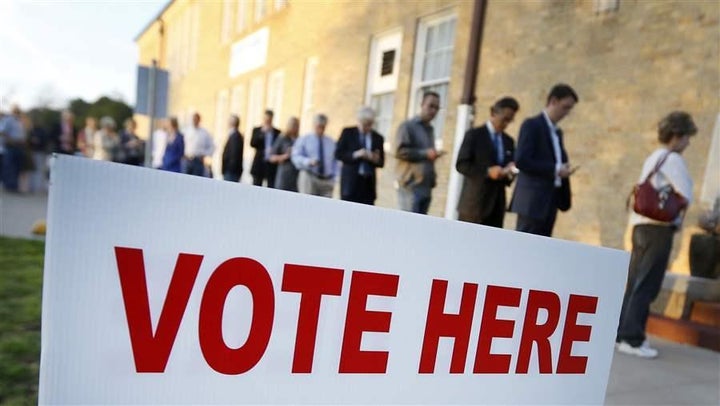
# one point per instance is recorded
(21, 265)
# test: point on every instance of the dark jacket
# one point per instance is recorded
(259, 166)
(348, 143)
(232, 158)
(535, 157)
(480, 194)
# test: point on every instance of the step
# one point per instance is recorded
(707, 313)
(685, 332)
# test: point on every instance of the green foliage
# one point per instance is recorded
(21, 263)
(49, 119)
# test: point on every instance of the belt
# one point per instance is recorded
(317, 175)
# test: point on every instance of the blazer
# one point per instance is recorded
(348, 143)
(477, 153)
(535, 158)
(257, 141)
(232, 158)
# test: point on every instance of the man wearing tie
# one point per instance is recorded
(314, 156)
(543, 185)
(262, 140)
(360, 149)
(486, 159)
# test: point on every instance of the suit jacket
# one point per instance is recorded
(259, 164)
(348, 143)
(535, 157)
(479, 193)
(232, 158)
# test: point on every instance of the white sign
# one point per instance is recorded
(249, 53)
(163, 288)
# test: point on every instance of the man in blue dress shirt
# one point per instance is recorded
(314, 156)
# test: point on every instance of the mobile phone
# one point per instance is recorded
(573, 169)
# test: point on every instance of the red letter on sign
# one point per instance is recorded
(359, 319)
(491, 327)
(568, 364)
(151, 351)
(539, 333)
(441, 324)
(236, 272)
(311, 282)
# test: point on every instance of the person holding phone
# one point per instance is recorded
(360, 149)
(543, 183)
(486, 159)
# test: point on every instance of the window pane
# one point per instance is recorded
(383, 106)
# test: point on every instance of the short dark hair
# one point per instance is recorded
(561, 91)
(269, 112)
(505, 103)
(174, 122)
(676, 124)
(429, 93)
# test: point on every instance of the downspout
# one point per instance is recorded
(466, 108)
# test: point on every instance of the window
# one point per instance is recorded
(711, 182)
(255, 103)
(195, 32)
(236, 101)
(382, 79)
(221, 131)
(606, 5)
(260, 9)
(280, 4)
(227, 16)
(275, 94)
(383, 106)
(241, 19)
(433, 64)
(308, 96)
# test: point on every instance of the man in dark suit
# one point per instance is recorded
(543, 185)
(361, 151)
(262, 140)
(232, 158)
(486, 158)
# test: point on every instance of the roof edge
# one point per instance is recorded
(157, 17)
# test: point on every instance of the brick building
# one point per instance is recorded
(631, 61)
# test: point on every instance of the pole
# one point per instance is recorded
(151, 113)
(466, 107)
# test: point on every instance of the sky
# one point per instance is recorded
(54, 51)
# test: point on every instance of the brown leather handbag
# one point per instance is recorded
(664, 204)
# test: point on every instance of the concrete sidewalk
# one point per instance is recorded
(681, 375)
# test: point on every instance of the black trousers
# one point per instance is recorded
(268, 175)
(651, 245)
(495, 218)
(364, 191)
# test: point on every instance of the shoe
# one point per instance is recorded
(643, 351)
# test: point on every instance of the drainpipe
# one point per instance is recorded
(466, 108)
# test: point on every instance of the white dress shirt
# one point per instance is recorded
(198, 142)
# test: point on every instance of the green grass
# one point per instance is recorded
(21, 265)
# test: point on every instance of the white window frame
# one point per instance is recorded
(280, 4)
(221, 131)
(377, 85)
(604, 6)
(275, 89)
(241, 16)
(308, 98)
(256, 103)
(227, 21)
(261, 10)
(417, 82)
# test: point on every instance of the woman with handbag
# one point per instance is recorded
(661, 197)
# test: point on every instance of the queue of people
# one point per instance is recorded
(489, 159)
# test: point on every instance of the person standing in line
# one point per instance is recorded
(652, 240)
(174, 147)
(360, 149)
(543, 185)
(107, 141)
(262, 140)
(416, 155)
(38, 142)
(314, 155)
(132, 146)
(287, 174)
(232, 158)
(486, 159)
(12, 132)
(199, 147)
(86, 138)
(66, 133)
(159, 142)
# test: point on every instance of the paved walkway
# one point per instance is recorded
(681, 375)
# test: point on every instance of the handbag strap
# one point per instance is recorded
(657, 166)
